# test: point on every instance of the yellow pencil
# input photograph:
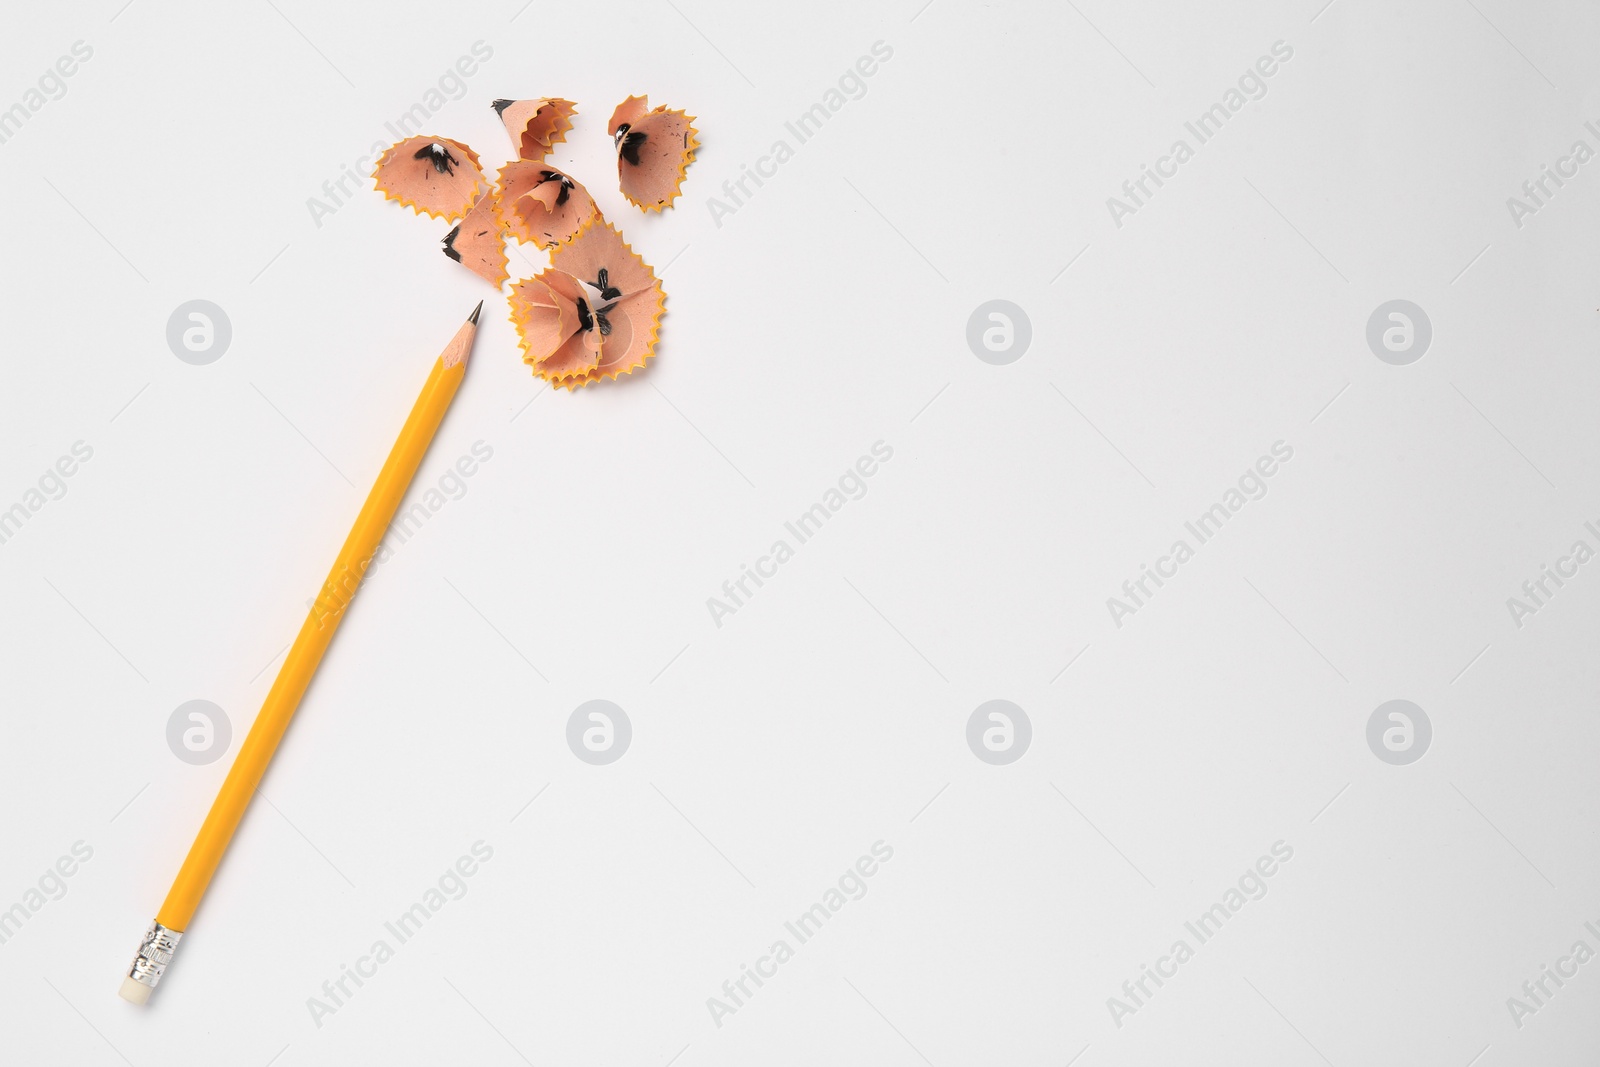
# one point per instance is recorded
(155, 951)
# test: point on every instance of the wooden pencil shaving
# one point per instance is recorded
(654, 150)
(542, 205)
(593, 315)
(478, 241)
(536, 126)
(432, 176)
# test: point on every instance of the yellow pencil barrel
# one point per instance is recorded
(294, 677)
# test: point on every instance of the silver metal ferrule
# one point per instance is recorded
(155, 953)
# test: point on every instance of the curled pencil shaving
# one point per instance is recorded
(478, 241)
(593, 315)
(433, 176)
(654, 150)
(536, 126)
(542, 205)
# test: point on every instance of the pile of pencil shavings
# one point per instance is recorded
(595, 312)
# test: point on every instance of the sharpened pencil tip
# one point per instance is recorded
(473, 318)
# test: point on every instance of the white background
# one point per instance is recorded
(826, 313)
